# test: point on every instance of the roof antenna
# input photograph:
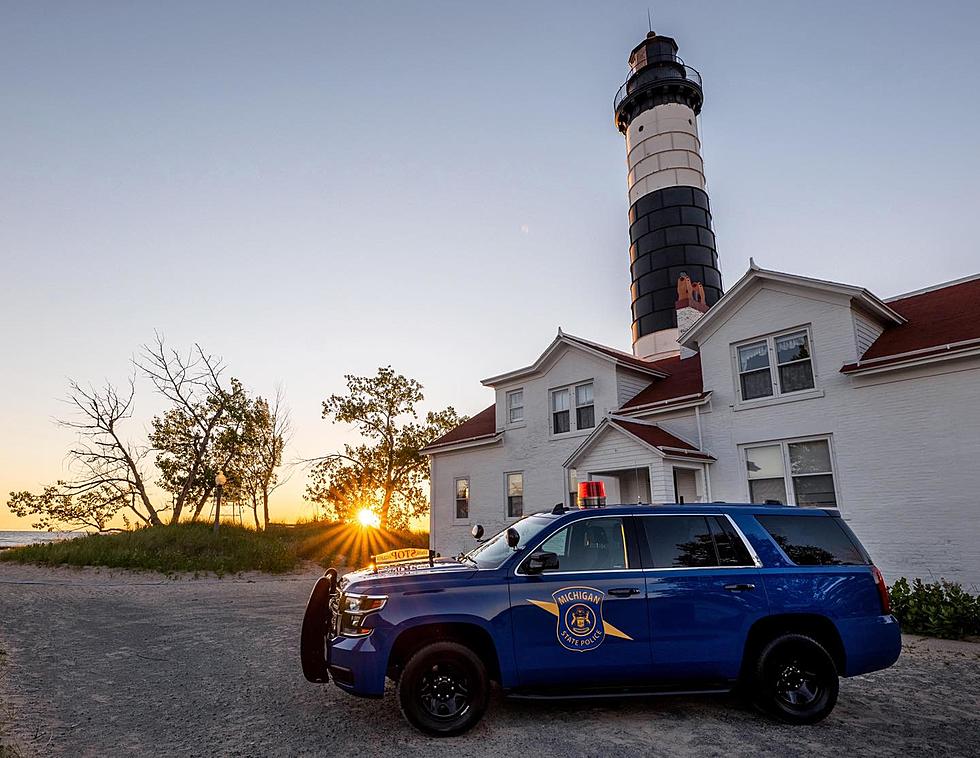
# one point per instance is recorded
(649, 20)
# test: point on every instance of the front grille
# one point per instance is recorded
(333, 623)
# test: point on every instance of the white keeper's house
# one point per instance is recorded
(784, 388)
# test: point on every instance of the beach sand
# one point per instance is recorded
(107, 663)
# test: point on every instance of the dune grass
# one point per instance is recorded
(195, 548)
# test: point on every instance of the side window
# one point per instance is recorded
(679, 541)
(597, 544)
(731, 549)
(814, 541)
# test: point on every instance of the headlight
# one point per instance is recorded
(354, 609)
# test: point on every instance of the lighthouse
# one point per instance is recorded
(673, 262)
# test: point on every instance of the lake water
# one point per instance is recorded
(17, 538)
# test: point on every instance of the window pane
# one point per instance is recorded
(515, 506)
(561, 421)
(796, 377)
(768, 490)
(756, 384)
(463, 488)
(585, 417)
(731, 549)
(516, 414)
(815, 490)
(583, 394)
(515, 399)
(590, 545)
(813, 541)
(559, 400)
(753, 356)
(515, 484)
(809, 457)
(792, 347)
(679, 541)
(764, 462)
(462, 509)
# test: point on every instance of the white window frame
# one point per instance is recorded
(507, 476)
(787, 469)
(573, 428)
(511, 421)
(770, 340)
(469, 497)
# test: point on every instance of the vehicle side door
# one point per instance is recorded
(704, 592)
(582, 624)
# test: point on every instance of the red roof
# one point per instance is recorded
(684, 380)
(660, 438)
(935, 319)
(483, 424)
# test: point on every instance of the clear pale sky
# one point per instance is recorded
(314, 189)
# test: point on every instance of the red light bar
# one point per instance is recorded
(591, 494)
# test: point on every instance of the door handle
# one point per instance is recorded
(624, 591)
(739, 587)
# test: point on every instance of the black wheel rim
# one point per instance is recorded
(797, 683)
(444, 691)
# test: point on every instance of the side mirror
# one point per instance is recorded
(477, 531)
(541, 561)
(513, 537)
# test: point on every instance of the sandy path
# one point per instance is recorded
(105, 663)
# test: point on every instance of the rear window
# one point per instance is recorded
(814, 541)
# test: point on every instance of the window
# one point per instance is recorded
(559, 411)
(815, 541)
(462, 498)
(596, 544)
(584, 407)
(793, 366)
(802, 469)
(515, 406)
(515, 495)
(694, 542)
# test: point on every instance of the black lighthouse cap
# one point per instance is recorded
(657, 75)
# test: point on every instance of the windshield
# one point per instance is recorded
(494, 551)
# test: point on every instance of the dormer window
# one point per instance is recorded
(579, 397)
(777, 365)
(560, 422)
(584, 407)
(515, 406)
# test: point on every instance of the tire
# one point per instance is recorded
(443, 689)
(795, 679)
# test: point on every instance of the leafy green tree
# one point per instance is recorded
(256, 466)
(388, 470)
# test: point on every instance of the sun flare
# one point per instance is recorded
(366, 517)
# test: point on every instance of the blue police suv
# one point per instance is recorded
(629, 599)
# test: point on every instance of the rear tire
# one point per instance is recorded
(795, 679)
(443, 689)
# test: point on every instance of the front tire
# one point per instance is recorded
(443, 689)
(795, 679)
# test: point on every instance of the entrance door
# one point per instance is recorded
(685, 485)
(704, 593)
(584, 624)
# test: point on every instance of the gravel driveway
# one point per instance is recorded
(100, 663)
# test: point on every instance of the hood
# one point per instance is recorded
(408, 568)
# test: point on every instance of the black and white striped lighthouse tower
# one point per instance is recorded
(674, 266)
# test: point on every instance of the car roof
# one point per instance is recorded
(647, 509)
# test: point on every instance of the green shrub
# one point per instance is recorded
(180, 547)
(940, 609)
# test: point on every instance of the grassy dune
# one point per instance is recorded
(194, 547)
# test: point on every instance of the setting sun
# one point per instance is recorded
(367, 517)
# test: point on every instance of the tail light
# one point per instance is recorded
(886, 603)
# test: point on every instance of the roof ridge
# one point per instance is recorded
(934, 287)
(600, 345)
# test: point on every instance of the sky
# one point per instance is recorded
(318, 189)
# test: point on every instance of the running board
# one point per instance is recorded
(615, 695)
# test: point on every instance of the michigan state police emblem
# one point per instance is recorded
(580, 625)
